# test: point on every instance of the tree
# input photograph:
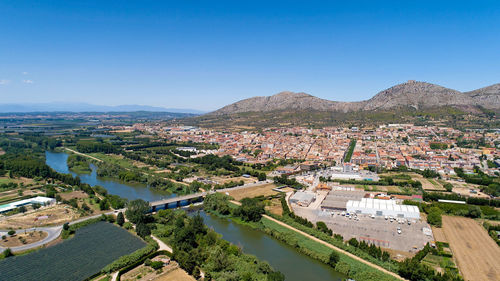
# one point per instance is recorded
(66, 226)
(251, 209)
(120, 220)
(333, 259)
(36, 206)
(22, 209)
(137, 210)
(11, 232)
(448, 186)
(7, 253)
(474, 212)
(198, 225)
(323, 228)
(434, 216)
(275, 276)
(353, 242)
(142, 229)
(103, 205)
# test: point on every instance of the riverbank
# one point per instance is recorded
(349, 264)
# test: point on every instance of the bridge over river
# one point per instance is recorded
(176, 201)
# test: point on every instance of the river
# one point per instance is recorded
(294, 265)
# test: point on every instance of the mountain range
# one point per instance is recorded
(85, 107)
(412, 94)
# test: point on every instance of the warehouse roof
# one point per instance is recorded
(379, 204)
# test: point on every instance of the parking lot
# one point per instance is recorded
(376, 230)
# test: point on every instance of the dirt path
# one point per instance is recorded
(83, 154)
(476, 253)
(163, 246)
(330, 245)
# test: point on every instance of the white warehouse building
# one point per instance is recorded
(379, 207)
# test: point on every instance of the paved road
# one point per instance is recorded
(53, 233)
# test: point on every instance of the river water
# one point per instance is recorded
(294, 265)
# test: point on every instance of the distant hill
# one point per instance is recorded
(412, 94)
(409, 101)
(84, 107)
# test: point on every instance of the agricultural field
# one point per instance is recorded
(78, 258)
(428, 184)
(254, 191)
(476, 253)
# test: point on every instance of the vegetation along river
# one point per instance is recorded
(294, 265)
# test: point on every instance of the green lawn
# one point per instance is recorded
(4, 180)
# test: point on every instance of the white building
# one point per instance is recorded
(43, 201)
(379, 207)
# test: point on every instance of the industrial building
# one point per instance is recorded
(379, 207)
(337, 199)
(303, 198)
(43, 201)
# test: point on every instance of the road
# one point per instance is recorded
(83, 154)
(53, 233)
(163, 246)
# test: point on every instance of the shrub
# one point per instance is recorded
(129, 259)
(343, 268)
(333, 259)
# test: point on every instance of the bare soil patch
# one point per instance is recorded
(465, 191)
(439, 234)
(254, 191)
(53, 215)
(28, 238)
(476, 253)
(74, 194)
(275, 207)
(222, 180)
(175, 275)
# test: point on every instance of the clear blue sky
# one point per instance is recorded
(206, 54)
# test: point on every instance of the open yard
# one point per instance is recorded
(254, 191)
(477, 254)
(53, 215)
(175, 275)
(73, 194)
(22, 239)
(92, 248)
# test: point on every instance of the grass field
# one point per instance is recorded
(254, 191)
(92, 248)
(476, 253)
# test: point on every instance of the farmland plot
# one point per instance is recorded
(92, 248)
(477, 254)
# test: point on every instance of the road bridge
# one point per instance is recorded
(175, 202)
